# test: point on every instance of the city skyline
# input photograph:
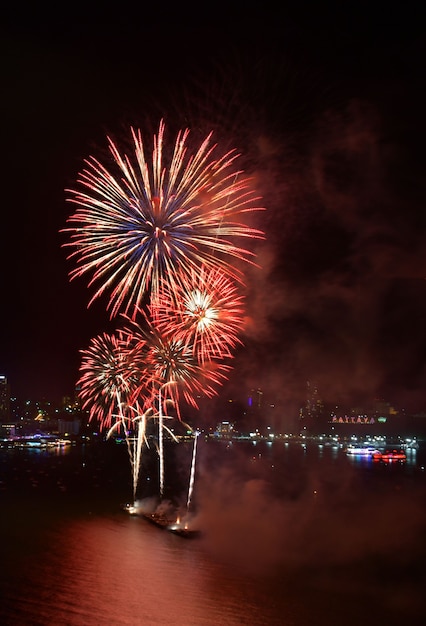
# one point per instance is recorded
(331, 127)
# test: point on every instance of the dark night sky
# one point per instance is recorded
(327, 107)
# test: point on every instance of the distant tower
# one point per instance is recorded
(254, 409)
(255, 399)
(4, 399)
(312, 412)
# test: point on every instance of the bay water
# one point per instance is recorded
(290, 534)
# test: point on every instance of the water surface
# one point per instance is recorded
(291, 535)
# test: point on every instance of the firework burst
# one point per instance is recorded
(171, 365)
(139, 224)
(205, 312)
(163, 239)
(108, 378)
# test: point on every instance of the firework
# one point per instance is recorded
(135, 440)
(170, 364)
(205, 312)
(163, 239)
(192, 474)
(108, 378)
(140, 224)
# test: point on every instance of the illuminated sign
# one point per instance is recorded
(353, 420)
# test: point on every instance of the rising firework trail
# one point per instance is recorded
(134, 442)
(192, 475)
(139, 223)
(161, 441)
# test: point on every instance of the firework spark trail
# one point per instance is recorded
(161, 442)
(134, 443)
(206, 312)
(161, 428)
(149, 223)
(137, 450)
(192, 475)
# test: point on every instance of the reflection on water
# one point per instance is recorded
(291, 535)
(120, 571)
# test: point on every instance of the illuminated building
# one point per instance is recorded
(225, 430)
(311, 414)
(4, 399)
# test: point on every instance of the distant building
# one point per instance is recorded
(225, 430)
(255, 399)
(4, 399)
(311, 417)
(69, 427)
(253, 411)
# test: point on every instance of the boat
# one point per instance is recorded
(130, 508)
(368, 451)
(173, 526)
(390, 455)
(62, 442)
(184, 531)
(410, 444)
(165, 516)
(158, 520)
